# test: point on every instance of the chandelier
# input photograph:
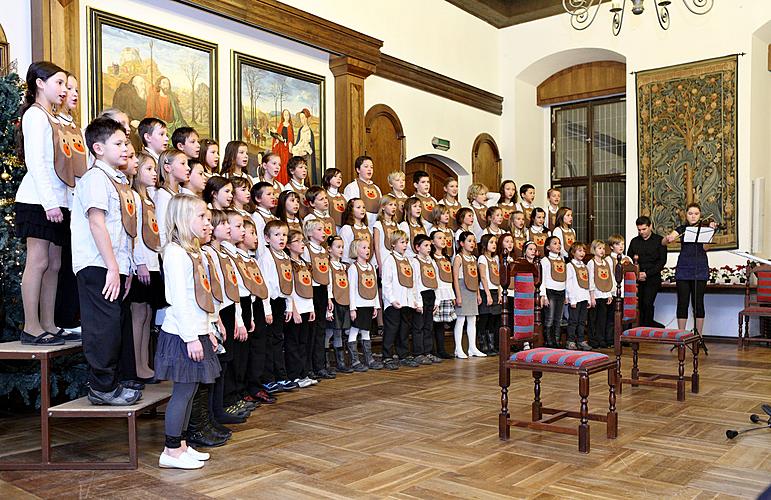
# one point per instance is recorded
(581, 16)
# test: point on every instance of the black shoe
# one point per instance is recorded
(121, 396)
(202, 438)
(224, 418)
(150, 381)
(445, 355)
(218, 430)
(44, 339)
(73, 337)
(324, 374)
(133, 385)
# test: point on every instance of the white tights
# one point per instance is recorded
(471, 330)
(354, 332)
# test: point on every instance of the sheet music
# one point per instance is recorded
(698, 234)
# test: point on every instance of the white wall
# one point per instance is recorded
(760, 118)
(643, 45)
(16, 18)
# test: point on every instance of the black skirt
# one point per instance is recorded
(31, 222)
(495, 309)
(341, 317)
(363, 318)
(153, 294)
(173, 363)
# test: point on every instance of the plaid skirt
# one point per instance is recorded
(446, 312)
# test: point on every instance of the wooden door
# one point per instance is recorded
(384, 143)
(486, 162)
(437, 171)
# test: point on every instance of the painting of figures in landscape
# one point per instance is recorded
(686, 122)
(279, 109)
(146, 71)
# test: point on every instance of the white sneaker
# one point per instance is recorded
(460, 354)
(313, 381)
(477, 353)
(302, 383)
(184, 461)
(197, 455)
(526, 346)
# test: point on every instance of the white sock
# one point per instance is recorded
(364, 334)
(352, 334)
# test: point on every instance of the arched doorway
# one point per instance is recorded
(486, 162)
(438, 168)
(384, 142)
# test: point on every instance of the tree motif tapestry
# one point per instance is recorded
(686, 126)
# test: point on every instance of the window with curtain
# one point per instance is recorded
(589, 165)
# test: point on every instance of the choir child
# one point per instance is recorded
(553, 281)
(563, 229)
(154, 136)
(426, 271)
(317, 256)
(477, 197)
(553, 195)
(185, 139)
(218, 193)
(173, 172)
(450, 200)
(413, 223)
(364, 300)
(602, 282)
(363, 187)
(526, 202)
(490, 307)
(519, 232)
(442, 218)
(400, 300)
(210, 157)
(269, 171)
(507, 201)
(467, 296)
(577, 296)
(338, 314)
(235, 161)
(494, 218)
(537, 232)
(422, 183)
(196, 183)
(242, 202)
(298, 172)
(397, 181)
(354, 227)
(288, 210)
(444, 315)
(384, 228)
(264, 202)
(299, 329)
(333, 180)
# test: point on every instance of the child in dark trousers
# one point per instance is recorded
(103, 224)
(318, 258)
(602, 282)
(298, 331)
(277, 271)
(554, 276)
(577, 295)
(426, 281)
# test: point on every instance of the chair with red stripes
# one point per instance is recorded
(756, 304)
(526, 326)
(627, 332)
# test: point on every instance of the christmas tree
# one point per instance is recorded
(19, 382)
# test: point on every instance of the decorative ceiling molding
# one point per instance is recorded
(406, 73)
(505, 13)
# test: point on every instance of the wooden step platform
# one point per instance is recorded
(153, 396)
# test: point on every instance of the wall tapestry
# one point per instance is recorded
(281, 109)
(686, 124)
(148, 71)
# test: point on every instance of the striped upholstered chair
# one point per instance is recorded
(756, 304)
(627, 332)
(521, 319)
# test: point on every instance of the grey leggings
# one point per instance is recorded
(178, 412)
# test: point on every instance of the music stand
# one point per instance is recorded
(703, 235)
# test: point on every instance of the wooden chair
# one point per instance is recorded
(526, 326)
(757, 304)
(627, 315)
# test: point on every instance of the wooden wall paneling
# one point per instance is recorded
(385, 143)
(769, 57)
(406, 73)
(437, 171)
(583, 81)
(486, 162)
(56, 35)
(349, 110)
(298, 25)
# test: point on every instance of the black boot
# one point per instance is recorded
(340, 355)
(491, 344)
(551, 340)
(199, 431)
(221, 429)
(329, 355)
(369, 360)
(439, 342)
(356, 364)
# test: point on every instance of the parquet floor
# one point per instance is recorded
(432, 432)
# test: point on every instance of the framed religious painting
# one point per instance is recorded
(146, 71)
(279, 109)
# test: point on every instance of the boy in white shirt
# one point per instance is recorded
(363, 187)
(103, 225)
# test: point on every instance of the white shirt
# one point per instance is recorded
(522, 205)
(270, 273)
(382, 248)
(40, 185)
(548, 282)
(96, 191)
(301, 304)
(183, 316)
(445, 291)
(557, 231)
(317, 249)
(484, 277)
(295, 186)
(231, 249)
(225, 299)
(405, 226)
(476, 227)
(142, 254)
(261, 217)
(573, 292)
(277, 186)
(161, 199)
(392, 290)
(353, 288)
(592, 286)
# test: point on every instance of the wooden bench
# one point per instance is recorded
(580, 363)
(152, 397)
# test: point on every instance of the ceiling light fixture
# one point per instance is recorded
(581, 16)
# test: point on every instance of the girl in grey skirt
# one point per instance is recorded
(467, 297)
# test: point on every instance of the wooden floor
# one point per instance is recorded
(431, 432)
